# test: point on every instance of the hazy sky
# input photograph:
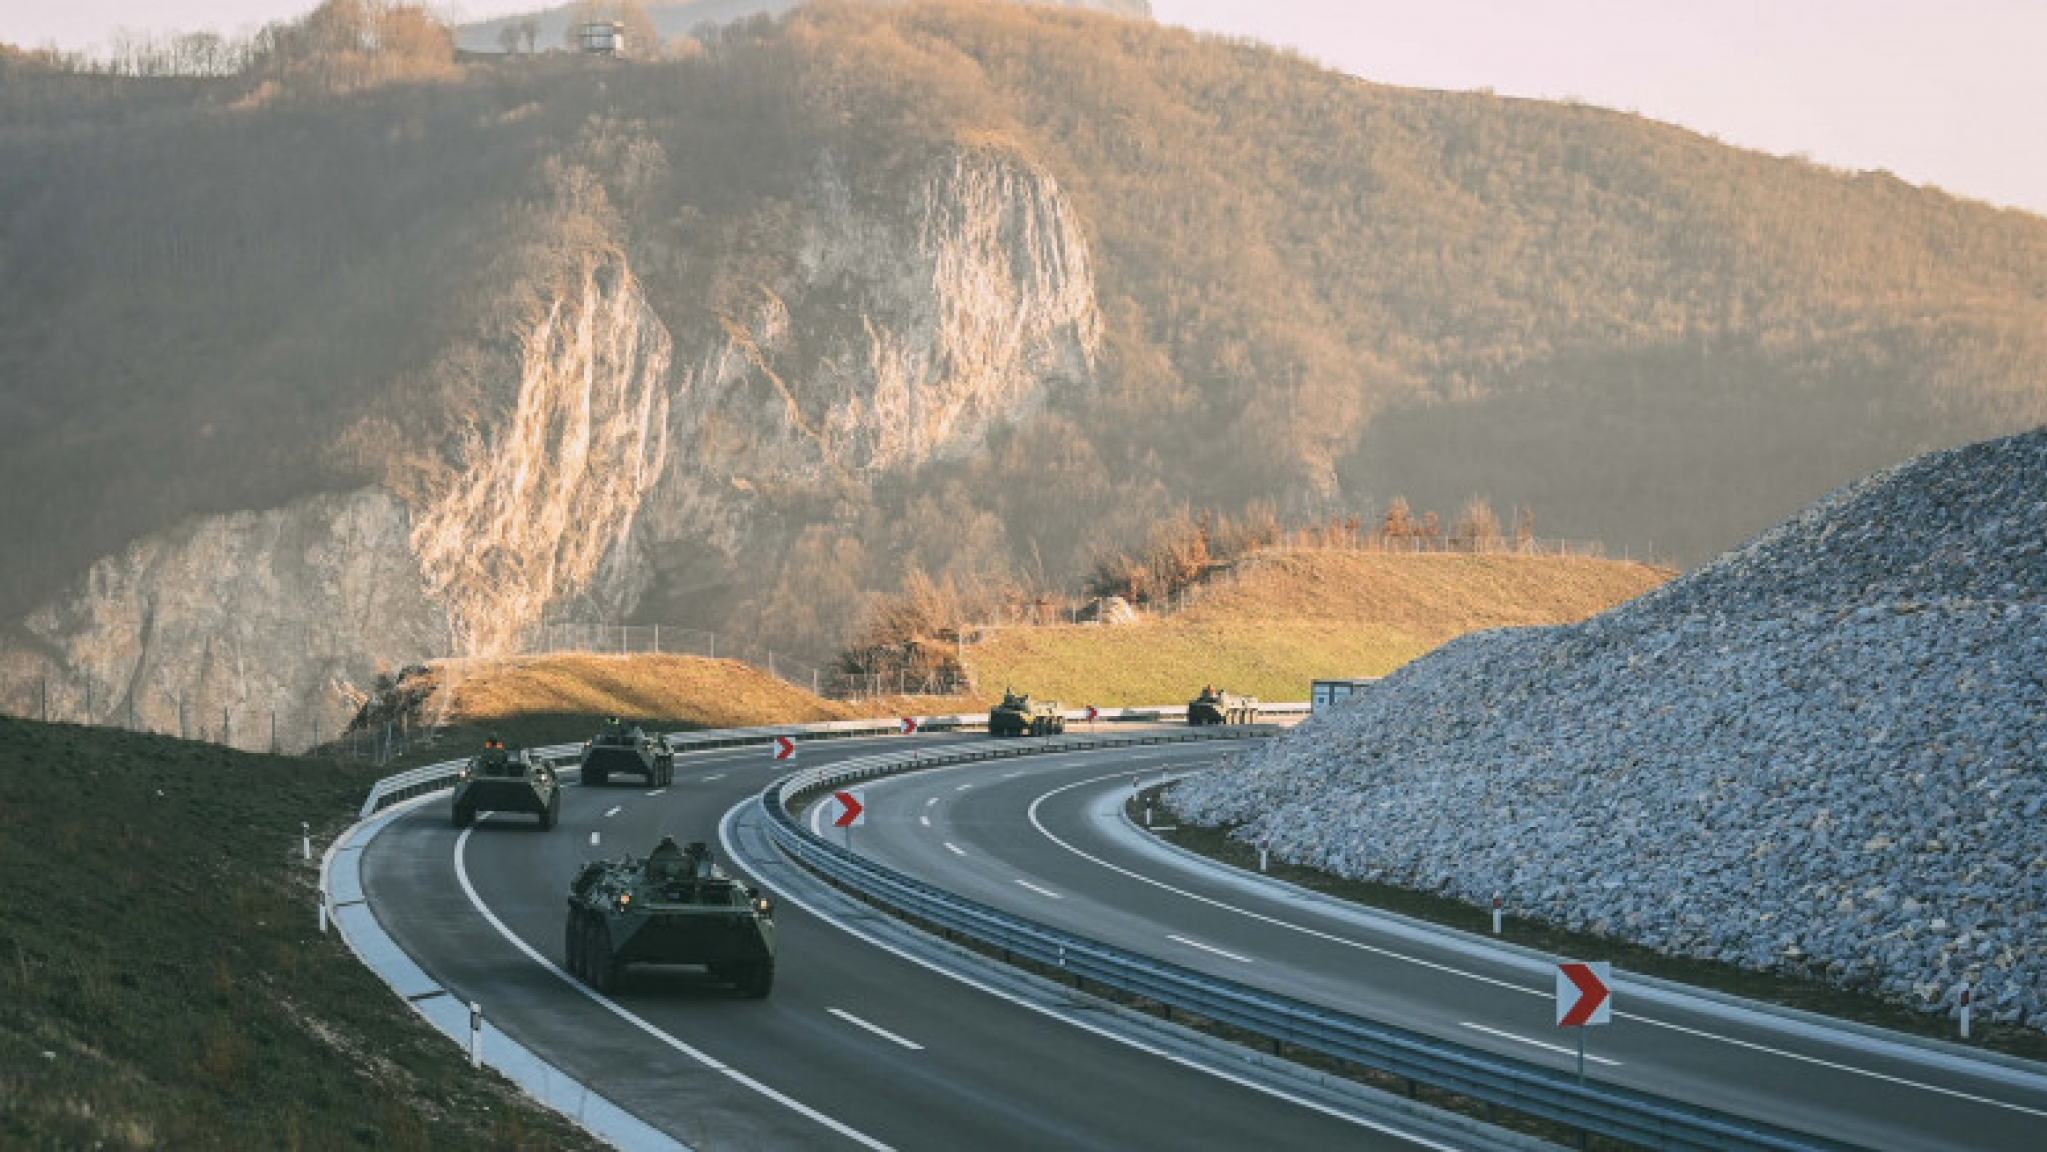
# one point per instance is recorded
(1945, 92)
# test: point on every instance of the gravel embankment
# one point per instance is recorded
(1825, 752)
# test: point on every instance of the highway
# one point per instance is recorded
(858, 1046)
(1044, 838)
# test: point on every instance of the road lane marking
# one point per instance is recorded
(1537, 1043)
(719, 776)
(953, 848)
(963, 787)
(701, 1057)
(1544, 992)
(726, 826)
(657, 792)
(593, 839)
(933, 800)
(615, 811)
(884, 1033)
(924, 820)
(1209, 948)
(1041, 891)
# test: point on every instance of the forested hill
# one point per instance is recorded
(975, 288)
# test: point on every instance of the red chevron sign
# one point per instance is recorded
(909, 726)
(785, 748)
(1091, 712)
(852, 810)
(1584, 995)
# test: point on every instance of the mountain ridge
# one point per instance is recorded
(1299, 288)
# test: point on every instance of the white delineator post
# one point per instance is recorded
(1496, 913)
(1264, 855)
(475, 1034)
(306, 839)
(1965, 1011)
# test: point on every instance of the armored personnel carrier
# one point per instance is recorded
(622, 747)
(674, 907)
(1215, 706)
(1019, 715)
(507, 780)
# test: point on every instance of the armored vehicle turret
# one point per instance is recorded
(620, 747)
(674, 907)
(1215, 706)
(1019, 715)
(507, 780)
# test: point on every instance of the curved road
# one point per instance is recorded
(857, 1047)
(1044, 838)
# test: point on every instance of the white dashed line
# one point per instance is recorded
(884, 1033)
(1210, 948)
(953, 848)
(614, 812)
(1041, 891)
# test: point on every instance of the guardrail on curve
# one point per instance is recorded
(1551, 1094)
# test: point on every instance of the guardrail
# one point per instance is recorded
(434, 777)
(1530, 1089)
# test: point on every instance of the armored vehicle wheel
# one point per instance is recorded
(464, 816)
(572, 945)
(602, 973)
(552, 816)
(595, 778)
(756, 979)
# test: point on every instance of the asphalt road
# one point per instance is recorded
(1040, 837)
(857, 1047)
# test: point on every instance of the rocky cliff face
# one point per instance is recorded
(543, 496)
(908, 328)
(212, 628)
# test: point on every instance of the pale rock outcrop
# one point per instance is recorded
(545, 495)
(212, 628)
(907, 329)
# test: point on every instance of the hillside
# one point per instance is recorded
(1818, 755)
(165, 984)
(1273, 624)
(303, 383)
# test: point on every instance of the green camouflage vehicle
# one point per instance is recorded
(1019, 715)
(501, 780)
(1215, 706)
(622, 747)
(675, 907)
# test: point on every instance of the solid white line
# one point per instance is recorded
(1537, 1043)
(725, 826)
(1209, 948)
(953, 848)
(614, 812)
(701, 1057)
(1388, 953)
(884, 1033)
(1041, 891)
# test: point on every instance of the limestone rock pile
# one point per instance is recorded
(1825, 752)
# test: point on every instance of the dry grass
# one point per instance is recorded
(1286, 618)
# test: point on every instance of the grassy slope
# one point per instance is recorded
(1291, 617)
(163, 981)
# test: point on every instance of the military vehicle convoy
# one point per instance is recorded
(674, 907)
(1215, 706)
(619, 747)
(1019, 715)
(507, 780)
